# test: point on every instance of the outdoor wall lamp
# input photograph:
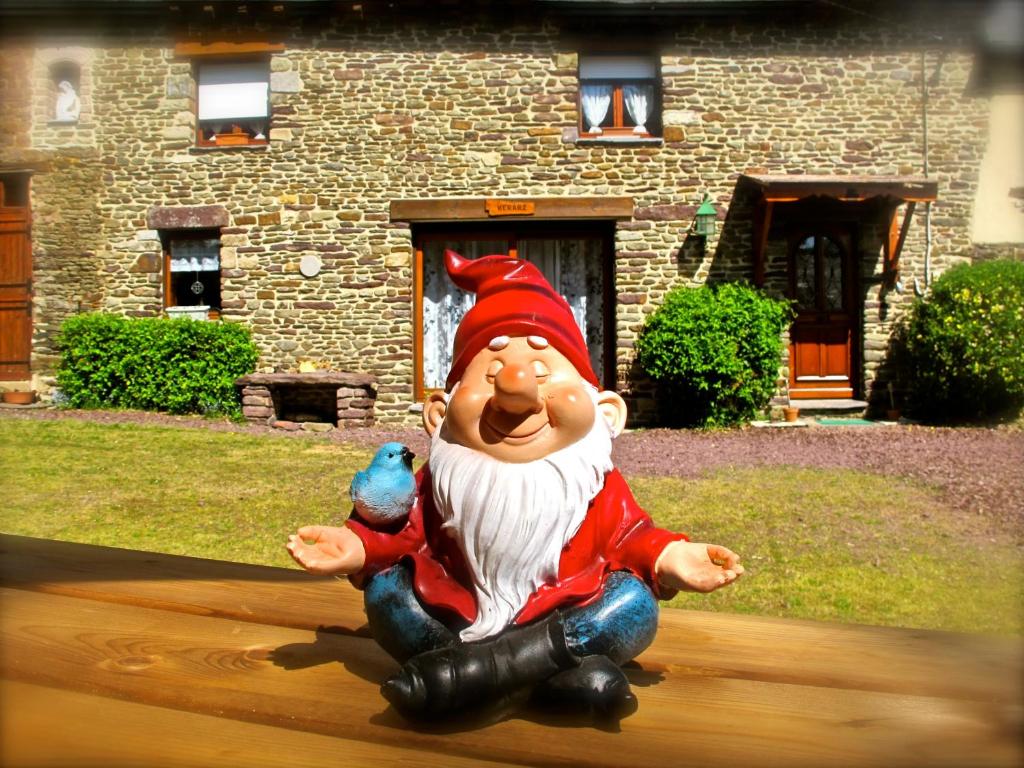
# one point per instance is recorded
(704, 220)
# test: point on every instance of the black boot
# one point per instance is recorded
(597, 686)
(450, 679)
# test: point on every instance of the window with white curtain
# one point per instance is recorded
(573, 265)
(192, 270)
(620, 96)
(445, 304)
(233, 102)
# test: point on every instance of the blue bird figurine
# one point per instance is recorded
(383, 493)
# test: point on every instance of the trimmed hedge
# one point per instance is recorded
(714, 352)
(179, 366)
(963, 345)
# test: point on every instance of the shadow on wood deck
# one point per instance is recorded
(116, 657)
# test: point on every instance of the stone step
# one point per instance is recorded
(831, 407)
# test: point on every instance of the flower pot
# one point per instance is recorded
(790, 413)
(893, 414)
(20, 398)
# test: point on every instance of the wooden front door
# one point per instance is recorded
(821, 362)
(15, 278)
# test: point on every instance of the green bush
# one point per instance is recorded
(180, 366)
(714, 353)
(963, 345)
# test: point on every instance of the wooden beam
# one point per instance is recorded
(223, 48)
(475, 208)
(851, 188)
(208, 588)
(87, 735)
(417, 327)
(326, 684)
(889, 248)
(759, 241)
(897, 248)
(720, 645)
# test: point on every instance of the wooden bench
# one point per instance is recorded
(115, 657)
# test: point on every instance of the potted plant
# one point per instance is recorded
(790, 412)
(19, 397)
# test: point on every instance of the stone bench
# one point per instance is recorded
(316, 401)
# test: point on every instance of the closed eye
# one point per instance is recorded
(541, 371)
(492, 370)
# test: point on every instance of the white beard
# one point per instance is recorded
(511, 521)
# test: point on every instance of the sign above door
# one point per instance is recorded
(485, 208)
(509, 207)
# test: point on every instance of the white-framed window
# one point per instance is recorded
(233, 101)
(620, 95)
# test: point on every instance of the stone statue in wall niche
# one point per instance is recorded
(68, 105)
(519, 562)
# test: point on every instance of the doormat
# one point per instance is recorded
(846, 423)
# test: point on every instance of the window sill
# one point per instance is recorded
(229, 148)
(618, 141)
(196, 312)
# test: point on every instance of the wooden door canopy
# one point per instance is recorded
(770, 191)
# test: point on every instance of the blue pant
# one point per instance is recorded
(619, 624)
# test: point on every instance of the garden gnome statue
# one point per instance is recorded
(68, 105)
(524, 562)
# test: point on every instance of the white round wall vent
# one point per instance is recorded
(310, 266)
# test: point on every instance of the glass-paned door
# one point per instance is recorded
(573, 265)
(822, 334)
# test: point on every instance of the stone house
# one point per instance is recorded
(301, 166)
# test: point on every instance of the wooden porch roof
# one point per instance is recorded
(789, 188)
(768, 191)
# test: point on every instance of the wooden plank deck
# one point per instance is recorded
(116, 657)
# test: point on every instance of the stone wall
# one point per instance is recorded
(370, 110)
(16, 97)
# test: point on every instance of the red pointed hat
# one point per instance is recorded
(512, 299)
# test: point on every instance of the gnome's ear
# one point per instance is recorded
(612, 409)
(433, 411)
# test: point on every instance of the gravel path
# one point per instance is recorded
(979, 471)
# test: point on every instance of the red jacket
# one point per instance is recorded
(615, 535)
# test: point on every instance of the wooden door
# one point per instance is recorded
(15, 279)
(821, 362)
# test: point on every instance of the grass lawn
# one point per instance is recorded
(828, 545)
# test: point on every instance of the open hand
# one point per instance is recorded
(330, 551)
(695, 567)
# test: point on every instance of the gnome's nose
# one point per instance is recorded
(515, 390)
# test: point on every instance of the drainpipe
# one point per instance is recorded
(925, 83)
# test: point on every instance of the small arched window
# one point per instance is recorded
(66, 81)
